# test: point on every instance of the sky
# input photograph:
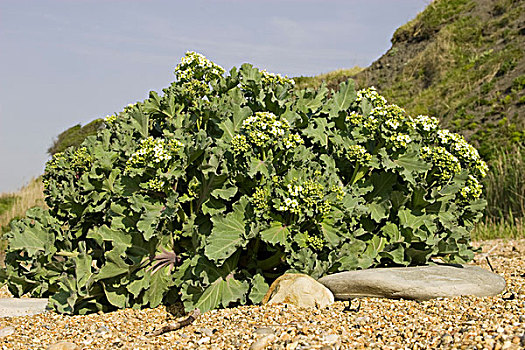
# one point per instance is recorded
(67, 62)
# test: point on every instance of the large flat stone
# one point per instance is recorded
(419, 282)
(10, 307)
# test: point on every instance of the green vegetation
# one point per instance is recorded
(431, 20)
(6, 202)
(74, 136)
(505, 185)
(463, 61)
(210, 191)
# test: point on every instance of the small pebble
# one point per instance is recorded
(65, 345)
(331, 338)
(6, 331)
(264, 331)
(263, 342)
(204, 340)
(102, 330)
(206, 331)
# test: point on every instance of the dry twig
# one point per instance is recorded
(177, 325)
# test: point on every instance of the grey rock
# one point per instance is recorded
(11, 307)
(299, 290)
(417, 283)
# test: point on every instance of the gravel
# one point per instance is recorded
(369, 323)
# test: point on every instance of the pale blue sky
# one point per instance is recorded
(68, 62)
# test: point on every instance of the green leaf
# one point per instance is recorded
(375, 245)
(276, 234)
(140, 283)
(397, 255)
(379, 211)
(410, 163)
(407, 219)
(305, 102)
(117, 297)
(320, 134)
(330, 232)
(232, 126)
(350, 256)
(83, 268)
(109, 270)
(224, 193)
(118, 238)
(140, 122)
(383, 183)
(257, 166)
(233, 290)
(211, 297)
(108, 183)
(391, 231)
(227, 233)
(159, 284)
(213, 207)
(35, 238)
(345, 96)
(259, 289)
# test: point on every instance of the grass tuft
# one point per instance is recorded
(499, 228)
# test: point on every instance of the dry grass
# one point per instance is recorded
(505, 185)
(499, 228)
(332, 79)
(29, 196)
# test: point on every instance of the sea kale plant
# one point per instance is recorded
(208, 192)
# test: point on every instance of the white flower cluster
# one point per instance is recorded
(355, 118)
(153, 150)
(392, 124)
(358, 154)
(400, 140)
(315, 242)
(372, 96)
(156, 184)
(306, 198)
(195, 66)
(425, 123)
(271, 78)
(292, 141)
(458, 146)
(472, 190)
(447, 165)
(264, 129)
(110, 119)
(290, 205)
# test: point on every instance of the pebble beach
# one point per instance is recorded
(369, 323)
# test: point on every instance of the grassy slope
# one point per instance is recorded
(463, 61)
